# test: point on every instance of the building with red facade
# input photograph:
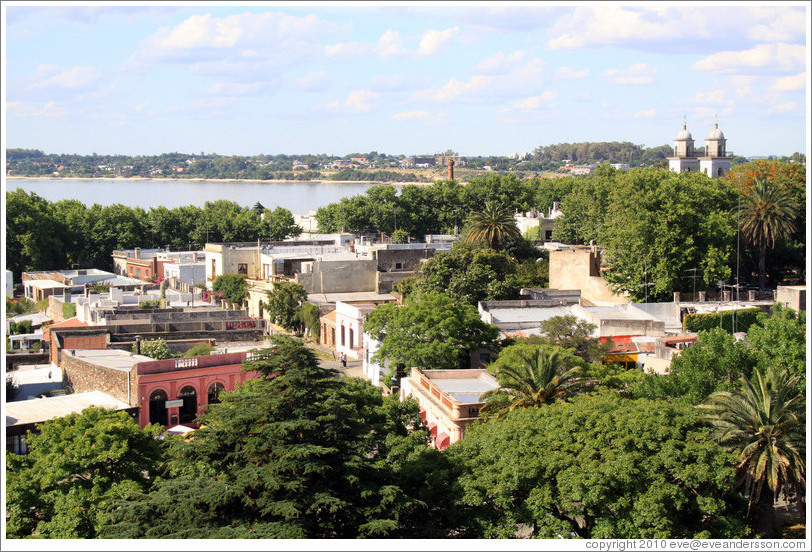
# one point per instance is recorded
(168, 392)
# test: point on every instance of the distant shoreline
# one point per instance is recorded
(217, 180)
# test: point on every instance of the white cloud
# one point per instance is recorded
(790, 84)
(535, 102)
(522, 79)
(347, 49)
(646, 114)
(499, 63)
(687, 28)
(768, 58)
(390, 44)
(434, 40)
(52, 76)
(614, 25)
(570, 73)
(313, 82)
(639, 74)
(358, 101)
(411, 115)
(785, 107)
(24, 109)
(235, 89)
(712, 97)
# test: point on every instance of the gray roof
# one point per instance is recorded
(40, 410)
(111, 358)
(527, 314)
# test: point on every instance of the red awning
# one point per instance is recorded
(433, 429)
(442, 441)
(423, 414)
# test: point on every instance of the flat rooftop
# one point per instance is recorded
(619, 313)
(36, 411)
(111, 358)
(527, 314)
(351, 297)
(464, 390)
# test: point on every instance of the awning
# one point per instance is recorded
(442, 441)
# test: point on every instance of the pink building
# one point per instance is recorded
(449, 400)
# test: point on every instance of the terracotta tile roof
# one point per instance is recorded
(330, 316)
(69, 323)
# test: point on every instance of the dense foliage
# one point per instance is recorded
(76, 469)
(598, 467)
(41, 235)
(234, 288)
(300, 455)
(284, 305)
(432, 331)
(738, 320)
(156, 349)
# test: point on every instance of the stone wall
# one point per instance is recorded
(407, 259)
(81, 376)
(339, 276)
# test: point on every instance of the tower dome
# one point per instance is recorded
(684, 134)
(715, 133)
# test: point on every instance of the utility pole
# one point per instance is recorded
(694, 276)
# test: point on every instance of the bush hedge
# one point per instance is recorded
(724, 319)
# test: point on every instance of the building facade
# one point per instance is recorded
(713, 159)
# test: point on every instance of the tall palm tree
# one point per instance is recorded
(532, 376)
(764, 423)
(767, 214)
(492, 225)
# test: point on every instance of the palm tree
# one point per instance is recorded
(492, 225)
(768, 214)
(531, 376)
(764, 423)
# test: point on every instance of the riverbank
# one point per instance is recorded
(212, 180)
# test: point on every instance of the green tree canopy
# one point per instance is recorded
(764, 424)
(301, 454)
(779, 340)
(491, 225)
(76, 468)
(279, 224)
(433, 331)
(284, 304)
(533, 375)
(598, 467)
(715, 362)
(156, 349)
(470, 274)
(570, 332)
(233, 287)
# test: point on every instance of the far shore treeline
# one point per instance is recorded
(656, 228)
(370, 167)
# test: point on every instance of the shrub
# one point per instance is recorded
(150, 304)
(68, 310)
(199, 350)
(156, 349)
(707, 321)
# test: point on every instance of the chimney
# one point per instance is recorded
(451, 169)
(137, 253)
(138, 344)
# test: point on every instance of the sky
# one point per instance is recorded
(412, 78)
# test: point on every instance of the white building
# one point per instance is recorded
(713, 159)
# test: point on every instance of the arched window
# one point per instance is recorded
(720, 172)
(157, 407)
(214, 392)
(188, 412)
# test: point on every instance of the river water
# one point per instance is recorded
(298, 197)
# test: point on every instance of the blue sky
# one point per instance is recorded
(401, 78)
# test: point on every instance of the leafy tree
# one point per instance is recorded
(156, 349)
(309, 318)
(532, 375)
(780, 341)
(76, 468)
(279, 224)
(492, 225)
(233, 287)
(202, 349)
(570, 332)
(470, 274)
(33, 235)
(764, 424)
(768, 215)
(715, 362)
(598, 467)
(300, 454)
(284, 304)
(399, 236)
(433, 331)
(11, 384)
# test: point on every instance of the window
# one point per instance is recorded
(188, 412)
(484, 357)
(214, 392)
(342, 336)
(242, 268)
(157, 407)
(398, 266)
(213, 269)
